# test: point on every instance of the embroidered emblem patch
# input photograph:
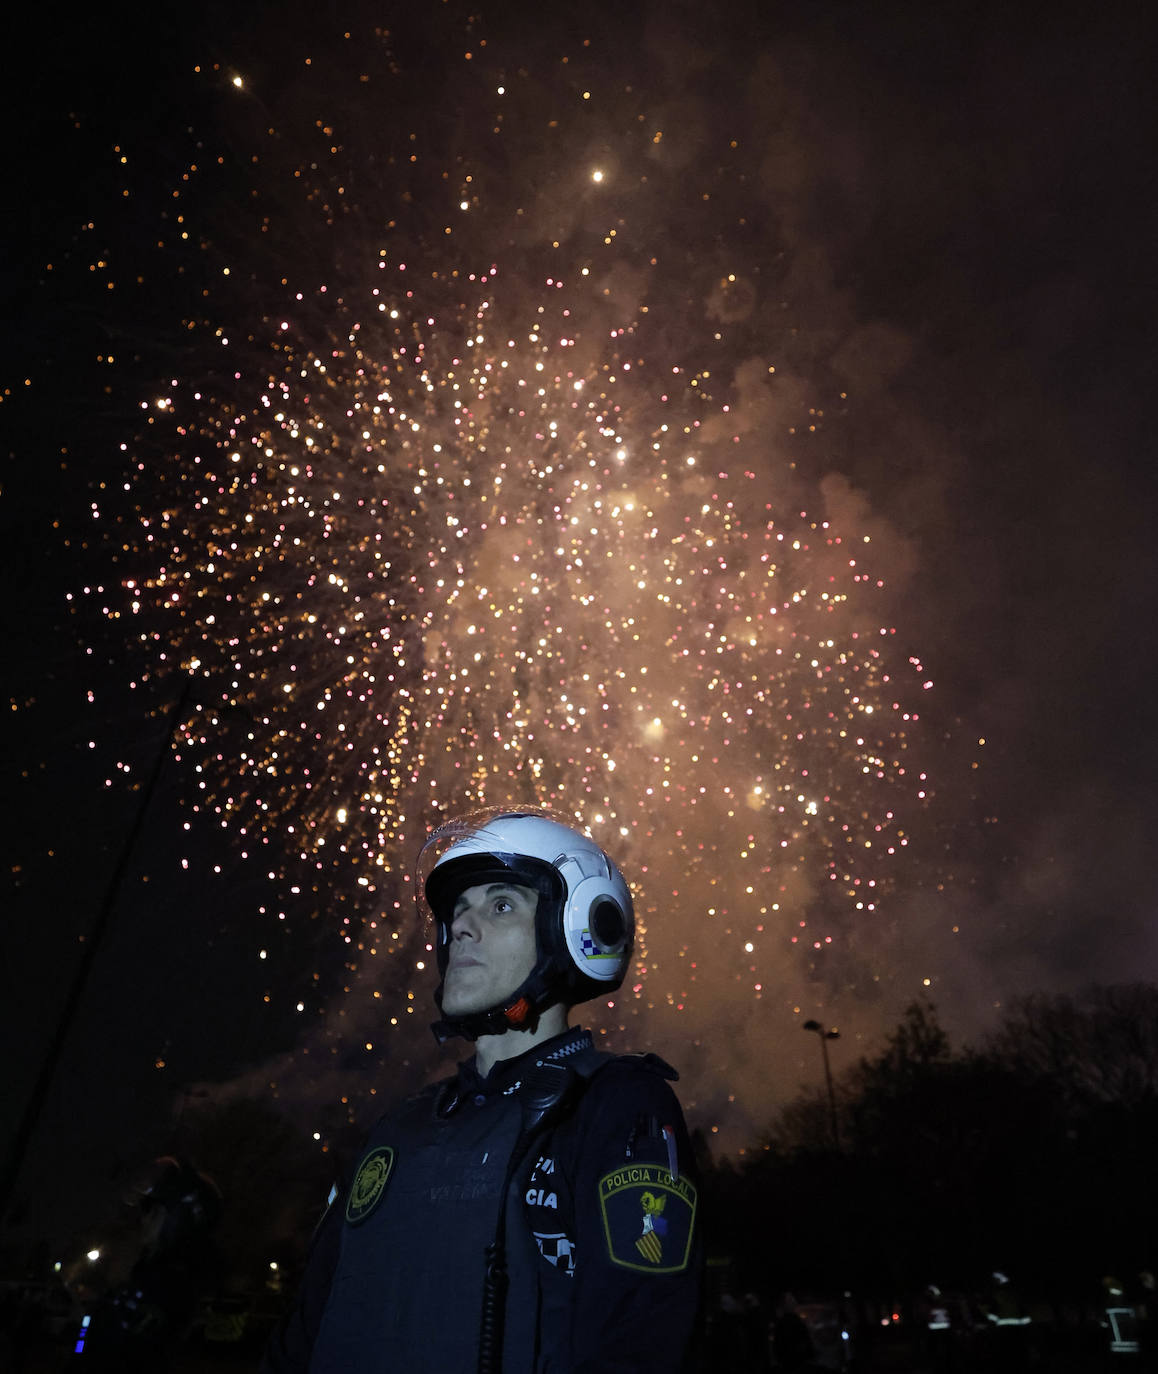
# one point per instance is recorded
(648, 1218)
(369, 1184)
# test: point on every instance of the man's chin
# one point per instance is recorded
(462, 1004)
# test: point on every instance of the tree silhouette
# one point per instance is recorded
(1033, 1153)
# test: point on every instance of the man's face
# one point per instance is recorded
(492, 946)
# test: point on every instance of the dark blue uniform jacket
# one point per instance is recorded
(602, 1238)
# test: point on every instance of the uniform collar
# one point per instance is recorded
(506, 1074)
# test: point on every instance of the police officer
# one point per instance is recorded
(135, 1328)
(537, 1211)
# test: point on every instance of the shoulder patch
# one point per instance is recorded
(649, 1218)
(369, 1184)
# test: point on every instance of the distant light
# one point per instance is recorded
(94, 1255)
(273, 1264)
(597, 175)
(237, 82)
(56, 1267)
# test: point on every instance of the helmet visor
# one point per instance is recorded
(465, 853)
(476, 832)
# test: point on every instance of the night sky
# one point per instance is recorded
(785, 283)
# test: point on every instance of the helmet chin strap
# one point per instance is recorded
(519, 1011)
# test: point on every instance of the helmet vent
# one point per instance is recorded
(607, 926)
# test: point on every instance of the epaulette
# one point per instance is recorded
(652, 1062)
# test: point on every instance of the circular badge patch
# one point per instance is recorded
(369, 1184)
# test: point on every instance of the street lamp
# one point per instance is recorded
(825, 1037)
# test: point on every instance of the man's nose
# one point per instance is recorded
(465, 924)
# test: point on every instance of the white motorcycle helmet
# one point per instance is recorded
(584, 921)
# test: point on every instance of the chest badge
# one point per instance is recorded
(369, 1184)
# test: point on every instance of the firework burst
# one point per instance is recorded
(453, 528)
